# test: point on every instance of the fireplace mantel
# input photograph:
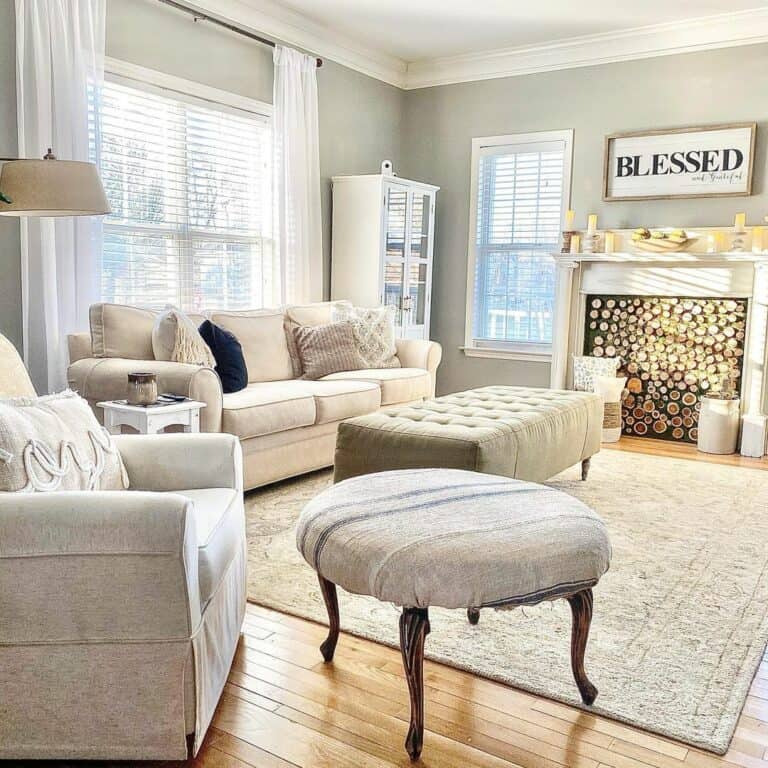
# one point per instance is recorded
(728, 274)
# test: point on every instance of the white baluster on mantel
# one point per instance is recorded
(561, 322)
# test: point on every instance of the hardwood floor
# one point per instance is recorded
(284, 707)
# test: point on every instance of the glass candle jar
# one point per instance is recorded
(142, 389)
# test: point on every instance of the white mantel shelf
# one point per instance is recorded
(680, 257)
(695, 274)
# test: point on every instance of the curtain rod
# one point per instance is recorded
(198, 16)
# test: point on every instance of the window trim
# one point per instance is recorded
(186, 87)
(503, 349)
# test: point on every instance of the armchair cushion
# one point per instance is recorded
(54, 443)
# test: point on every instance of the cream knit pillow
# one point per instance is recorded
(175, 337)
(374, 331)
(54, 443)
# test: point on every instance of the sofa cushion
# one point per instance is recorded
(266, 407)
(262, 338)
(121, 331)
(398, 385)
(337, 400)
(319, 313)
(219, 530)
(175, 337)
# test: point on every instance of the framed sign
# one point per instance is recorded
(706, 161)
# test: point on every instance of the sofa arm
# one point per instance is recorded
(79, 345)
(106, 378)
(419, 353)
(181, 461)
(97, 566)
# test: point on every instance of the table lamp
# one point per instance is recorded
(51, 187)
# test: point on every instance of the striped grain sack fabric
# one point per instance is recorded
(326, 349)
(453, 538)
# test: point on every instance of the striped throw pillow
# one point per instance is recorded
(326, 349)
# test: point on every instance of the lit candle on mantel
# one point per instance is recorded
(592, 224)
(576, 244)
(757, 239)
(739, 222)
(610, 241)
(569, 217)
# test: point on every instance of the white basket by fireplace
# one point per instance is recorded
(610, 389)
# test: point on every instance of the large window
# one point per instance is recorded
(520, 189)
(189, 182)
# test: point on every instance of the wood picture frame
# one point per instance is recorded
(642, 169)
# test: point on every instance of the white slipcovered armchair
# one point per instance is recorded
(120, 611)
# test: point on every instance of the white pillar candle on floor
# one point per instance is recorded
(718, 425)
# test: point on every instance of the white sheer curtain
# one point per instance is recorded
(297, 176)
(59, 64)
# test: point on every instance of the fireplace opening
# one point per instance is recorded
(673, 351)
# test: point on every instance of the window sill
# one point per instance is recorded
(508, 354)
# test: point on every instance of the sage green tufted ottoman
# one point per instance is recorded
(528, 434)
(454, 539)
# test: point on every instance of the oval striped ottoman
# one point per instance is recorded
(454, 539)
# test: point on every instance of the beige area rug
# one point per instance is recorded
(681, 618)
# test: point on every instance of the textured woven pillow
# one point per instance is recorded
(54, 443)
(587, 369)
(175, 337)
(326, 349)
(374, 331)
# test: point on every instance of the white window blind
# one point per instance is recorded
(189, 182)
(519, 198)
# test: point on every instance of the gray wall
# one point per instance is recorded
(10, 268)
(439, 124)
(360, 118)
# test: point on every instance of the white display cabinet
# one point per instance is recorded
(383, 233)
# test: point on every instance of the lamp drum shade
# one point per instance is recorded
(52, 188)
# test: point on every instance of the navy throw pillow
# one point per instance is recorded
(230, 363)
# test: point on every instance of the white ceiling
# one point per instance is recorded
(422, 43)
(415, 30)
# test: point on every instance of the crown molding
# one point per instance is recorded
(720, 31)
(266, 17)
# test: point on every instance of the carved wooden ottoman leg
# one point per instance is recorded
(581, 608)
(473, 615)
(414, 627)
(328, 588)
(585, 468)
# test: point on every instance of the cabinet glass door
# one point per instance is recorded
(418, 267)
(394, 278)
(397, 204)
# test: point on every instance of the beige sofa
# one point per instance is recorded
(287, 426)
(121, 610)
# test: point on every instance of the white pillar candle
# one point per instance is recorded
(739, 222)
(610, 242)
(575, 243)
(591, 223)
(757, 239)
(570, 215)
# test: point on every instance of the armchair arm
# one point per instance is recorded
(79, 345)
(97, 565)
(181, 461)
(420, 353)
(106, 378)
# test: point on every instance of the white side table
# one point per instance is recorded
(153, 419)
